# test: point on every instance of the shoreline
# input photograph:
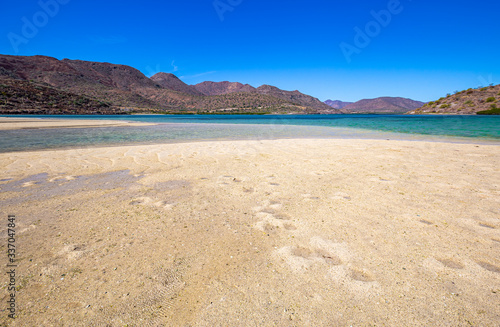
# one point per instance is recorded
(15, 123)
(268, 132)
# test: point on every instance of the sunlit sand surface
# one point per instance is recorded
(256, 233)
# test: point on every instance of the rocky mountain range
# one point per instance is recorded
(483, 100)
(172, 82)
(337, 104)
(112, 88)
(382, 105)
(219, 88)
(46, 85)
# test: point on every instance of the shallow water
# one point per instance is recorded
(182, 128)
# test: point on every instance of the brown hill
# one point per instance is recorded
(116, 84)
(382, 105)
(125, 88)
(219, 88)
(467, 102)
(172, 82)
(292, 97)
(24, 97)
(337, 104)
(296, 97)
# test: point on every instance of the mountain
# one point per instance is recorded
(24, 97)
(467, 102)
(337, 104)
(125, 89)
(172, 82)
(219, 88)
(294, 97)
(382, 105)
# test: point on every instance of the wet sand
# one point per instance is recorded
(255, 233)
(9, 123)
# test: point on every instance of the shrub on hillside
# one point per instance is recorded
(490, 99)
(492, 111)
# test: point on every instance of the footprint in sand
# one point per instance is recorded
(423, 221)
(486, 225)
(147, 201)
(361, 275)
(478, 225)
(310, 197)
(227, 180)
(271, 224)
(272, 221)
(488, 266)
(381, 180)
(315, 254)
(341, 196)
(451, 264)
(317, 251)
(72, 251)
(275, 205)
(336, 257)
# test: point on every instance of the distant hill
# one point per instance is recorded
(337, 104)
(295, 97)
(382, 105)
(465, 102)
(125, 89)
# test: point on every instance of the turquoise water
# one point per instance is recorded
(181, 128)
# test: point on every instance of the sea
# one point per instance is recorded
(188, 128)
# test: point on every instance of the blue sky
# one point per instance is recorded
(329, 49)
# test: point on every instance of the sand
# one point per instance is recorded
(255, 233)
(10, 123)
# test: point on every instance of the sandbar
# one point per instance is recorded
(291, 232)
(11, 123)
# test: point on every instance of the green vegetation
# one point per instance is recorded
(493, 111)
(444, 106)
(484, 89)
(490, 99)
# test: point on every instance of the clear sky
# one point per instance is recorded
(331, 49)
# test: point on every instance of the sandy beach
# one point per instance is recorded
(10, 123)
(255, 233)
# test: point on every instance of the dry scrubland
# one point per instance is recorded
(256, 233)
